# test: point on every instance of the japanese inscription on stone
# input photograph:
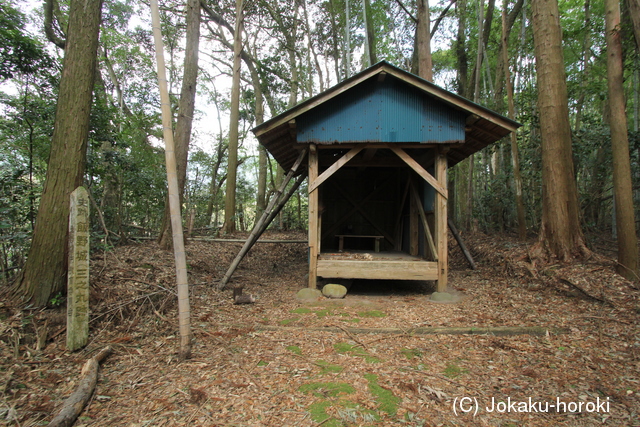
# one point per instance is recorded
(78, 272)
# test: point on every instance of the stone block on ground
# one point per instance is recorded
(308, 295)
(333, 290)
(442, 297)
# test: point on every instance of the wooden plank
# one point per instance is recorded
(419, 170)
(334, 167)
(440, 209)
(425, 224)
(378, 269)
(314, 223)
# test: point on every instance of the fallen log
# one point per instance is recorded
(73, 406)
(452, 330)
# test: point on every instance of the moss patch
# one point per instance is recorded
(327, 389)
(328, 368)
(372, 313)
(352, 350)
(301, 310)
(286, 322)
(387, 401)
(295, 349)
(410, 353)
(452, 370)
(318, 412)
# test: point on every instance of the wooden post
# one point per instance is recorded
(78, 274)
(275, 205)
(441, 218)
(413, 227)
(314, 223)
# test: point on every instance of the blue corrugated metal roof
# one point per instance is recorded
(387, 111)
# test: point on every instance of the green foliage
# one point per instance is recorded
(19, 51)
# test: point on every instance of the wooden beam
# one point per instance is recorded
(378, 269)
(398, 224)
(425, 224)
(314, 223)
(440, 208)
(465, 251)
(419, 170)
(315, 183)
(276, 203)
(414, 227)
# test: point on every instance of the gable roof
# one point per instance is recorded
(482, 126)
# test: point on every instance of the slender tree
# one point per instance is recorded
(45, 272)
(184, 309)
(186, 108)
(423, 41)
(232, 166)
(625, 220)
(560, 231)
(517, 176)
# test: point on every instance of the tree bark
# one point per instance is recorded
(515, 158)
(560, 232)
(625, 220)
(44, 273)
(186, 108)
(423, 41)
(370, 36)
(182, 283)
(232, 168)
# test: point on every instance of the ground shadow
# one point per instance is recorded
(364, 287)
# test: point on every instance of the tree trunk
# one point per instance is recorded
(182, 283)
(232, 169)
(586, 54)
(45, 272)
(370, 37)
(625, 221)
(186, 107)
(560, 232)
(515, 158)
(461, 50)
(423, 41)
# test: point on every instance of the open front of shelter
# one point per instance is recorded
(377, 148)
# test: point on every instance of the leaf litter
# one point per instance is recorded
(254, 365)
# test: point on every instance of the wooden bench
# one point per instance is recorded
(341, 238)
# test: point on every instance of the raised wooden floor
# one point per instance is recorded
(376, 265)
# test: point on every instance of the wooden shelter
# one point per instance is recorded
(377, 147)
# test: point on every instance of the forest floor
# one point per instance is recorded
(280, 362)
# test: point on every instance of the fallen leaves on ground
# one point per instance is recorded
(272, 364)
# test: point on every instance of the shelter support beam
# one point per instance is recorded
(334, 168)
(433, 181)
(275, 205)
(314, 217)
(425, 223)
(441, 218)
